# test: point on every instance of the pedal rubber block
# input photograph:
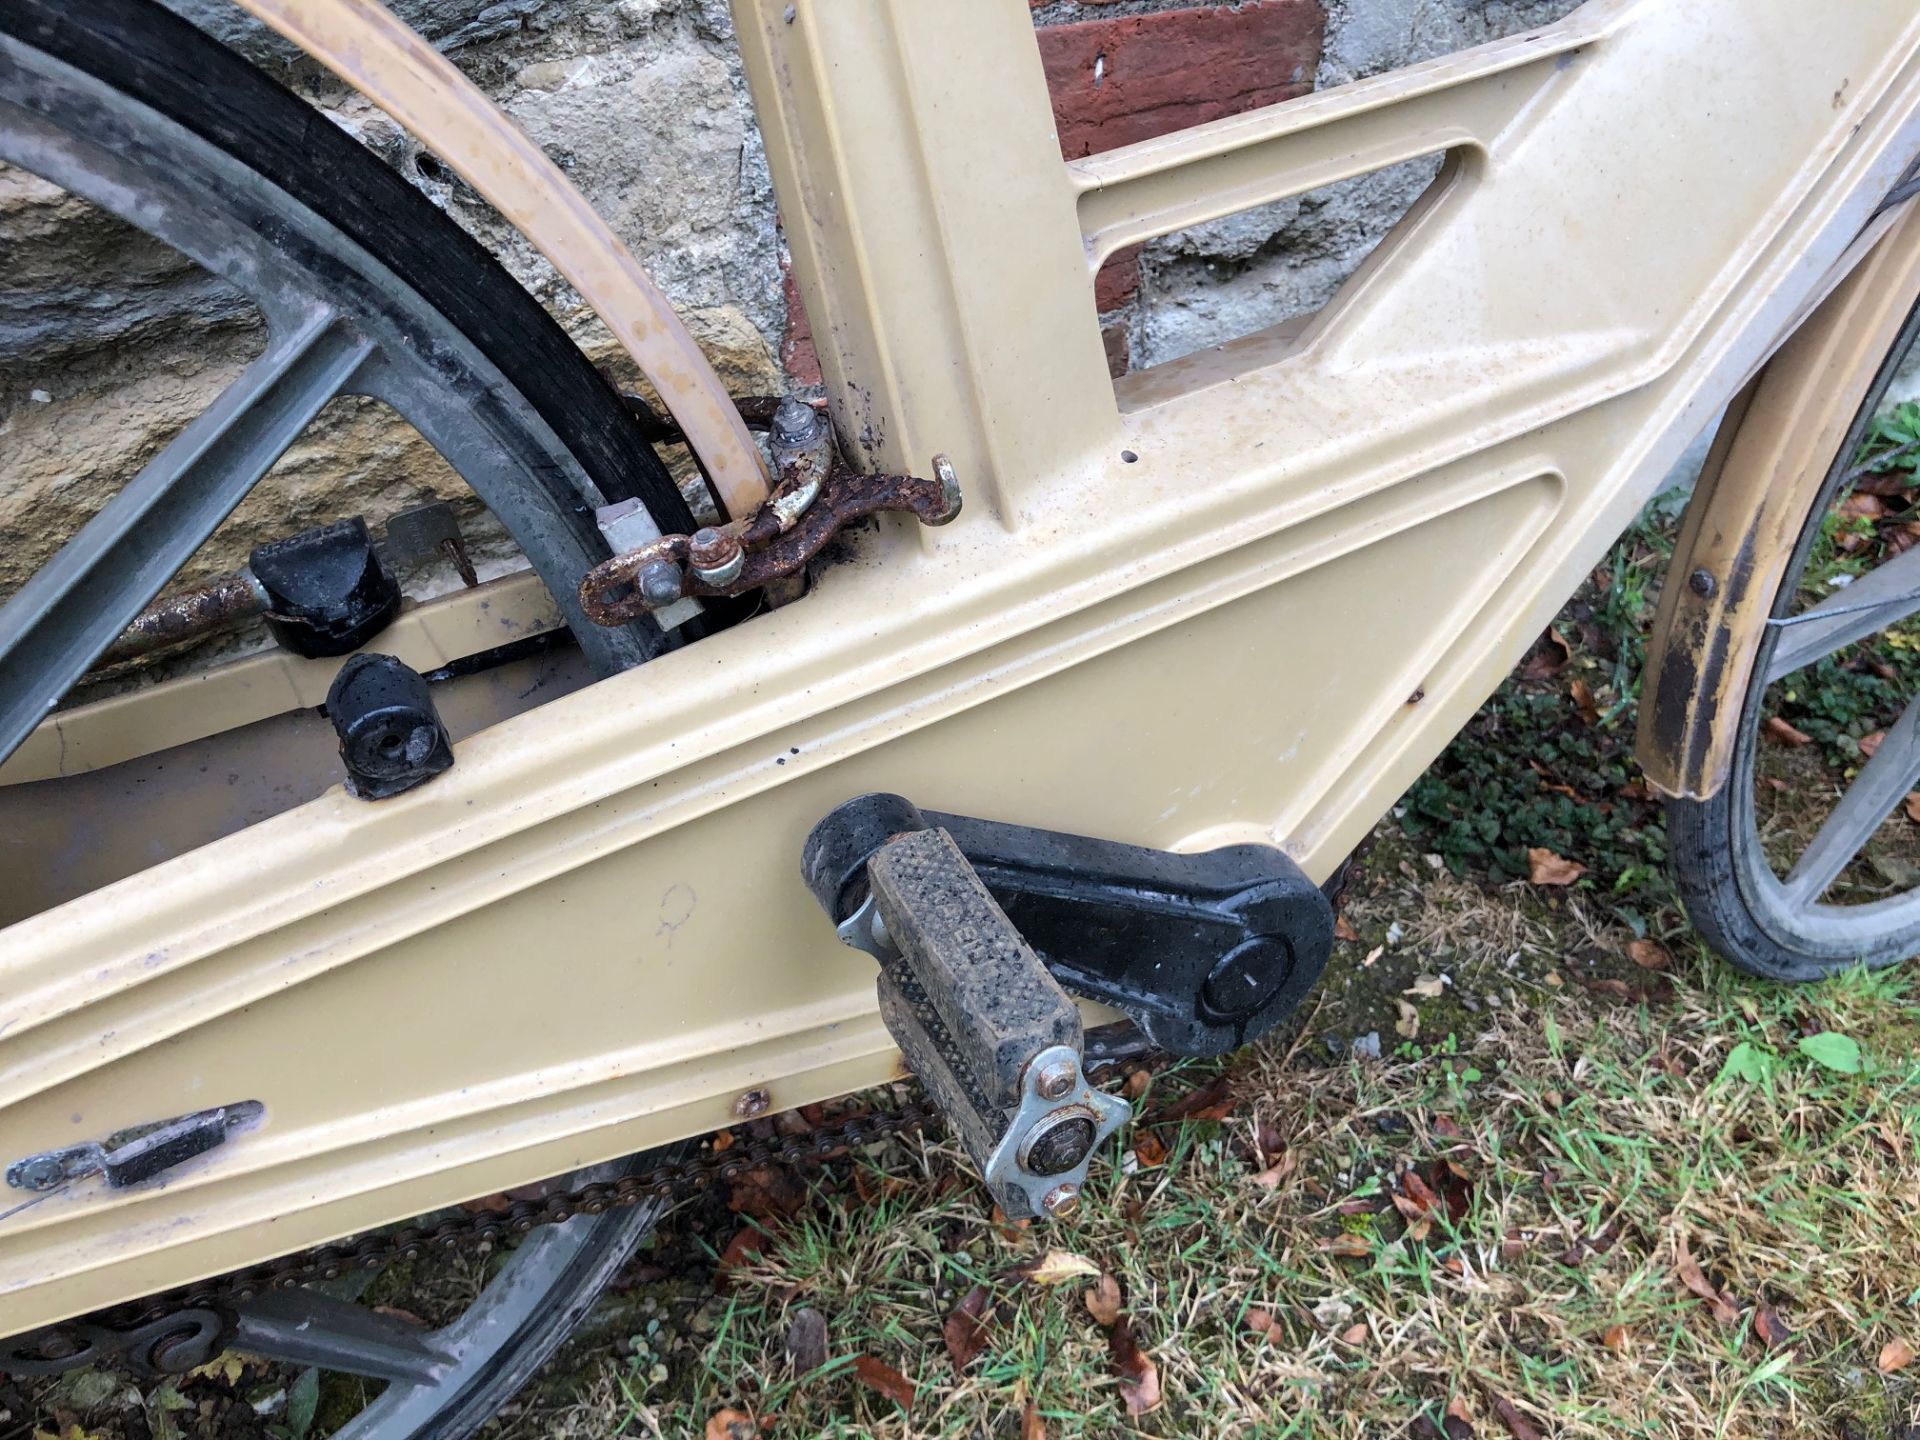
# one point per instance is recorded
(996, 1000)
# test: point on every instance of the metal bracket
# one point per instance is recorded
(1019, 1162)
(131, 1157)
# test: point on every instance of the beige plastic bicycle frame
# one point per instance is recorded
(1328, 547)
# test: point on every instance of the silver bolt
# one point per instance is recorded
(1061, 1201)
(795, 423)
(1056, 1081)
(716, 557)
(751, 1103)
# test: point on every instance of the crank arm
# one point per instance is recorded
(1205, 952)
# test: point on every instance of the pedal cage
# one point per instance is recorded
(987, 1029)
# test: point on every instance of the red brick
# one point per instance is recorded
(1118, 281)
(797, 355)
(1118, 347)
(1118, 81)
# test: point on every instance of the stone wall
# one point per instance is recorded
(108, 344)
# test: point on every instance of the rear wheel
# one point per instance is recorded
(366, 289)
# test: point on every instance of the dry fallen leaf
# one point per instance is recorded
(745, 1244)
(965, 1329)
(1779, 730)
(1139, 1377)
(1032, 1427)
(1374, 954)
(884, 1378)
(1459, 1420)
(1427, 987)
(1210, 1102)
(1149, 1150)
(1343, 929)
(1517, 1424)
(1695, 1280)
(1103, 1300)
(1407, 1027)
(1137, 1083)
(1055, 1266)
(1895, 1355)
(1546, 868)
(1549, 658)
(1870, 744)
(1771, 1329)
(1281, 1168)
(1583, 702)
(1615, 1337)
(1354, 1334)
(730, 1425)
(1259, 1321)
(1348, 1246)
(1649, 954)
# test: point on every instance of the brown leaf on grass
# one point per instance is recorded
(1695, 1280)
(965, 1330)
(1517, 1424)
(1458, 1420)
(1583, 702)
(1407, 1027)
(1870, 744)
(1271, 1177)
(1862, 505)
(746, 1243)
(1209, 1102)
(1550, 656)
(1354, 1333)
(888, 1381)
(1259, 1321)
(1780, 731)
(1269, 1139)
(1615, 1338)
(1771, 1329)
(1054, 1267)
(1008, 1231)
(1137, 1083)
(1894, 1355)
(1149, 1150)
(1649, 954)
(1139, 1377)
(1419, 1192)
(1348, 1246)
(730, 1425)
(722, 1141)
(767, 1192)
(1103, 1300)
(1546, 868)
(1343, 929)
(1032, 1427)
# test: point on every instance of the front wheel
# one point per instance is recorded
(1807, 861)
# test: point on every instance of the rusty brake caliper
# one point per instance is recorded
(814, 498)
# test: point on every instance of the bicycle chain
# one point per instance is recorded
(674, 1181)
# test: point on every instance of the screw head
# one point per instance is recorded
(795, 423)
(43, 1172)
(1061, 1201)
(1056, 1080)
(751, 1103)
(1701, 583)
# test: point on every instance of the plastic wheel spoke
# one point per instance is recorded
(77, 604)
(1881, 784)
